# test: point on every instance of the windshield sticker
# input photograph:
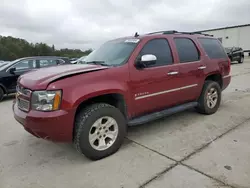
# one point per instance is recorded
(132, 40)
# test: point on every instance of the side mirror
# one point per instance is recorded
(146, 60)
(12, 70)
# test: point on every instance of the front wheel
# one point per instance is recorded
(241, 59)
(99, 131)
(210, 98)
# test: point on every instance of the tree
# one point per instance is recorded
(12, 48)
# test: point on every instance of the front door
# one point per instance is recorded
(154, 87)
(20, 68)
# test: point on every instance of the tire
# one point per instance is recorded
(85, 124)
(1, 94)
(231, 60)
(203, 106)
(241, 59)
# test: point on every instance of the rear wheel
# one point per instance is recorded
(99, 131)
(210, 98)
(241, 59)
(1, 94)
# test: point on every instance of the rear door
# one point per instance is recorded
(191, 67)
(154, 87)
(47, 62)
(236, 54)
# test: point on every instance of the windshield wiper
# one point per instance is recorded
(97, 63)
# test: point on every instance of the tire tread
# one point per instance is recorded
(201, 101)
(82, 117)
(80, 122)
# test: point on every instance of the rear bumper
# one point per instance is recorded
(55, 126)
(226, 81)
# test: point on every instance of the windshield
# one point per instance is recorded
(2, 64)
(112, 53)
(7, 64)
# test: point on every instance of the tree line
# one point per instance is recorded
(13, 48)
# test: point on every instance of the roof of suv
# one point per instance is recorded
(160, 33)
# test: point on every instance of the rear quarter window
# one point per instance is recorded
(213, 48)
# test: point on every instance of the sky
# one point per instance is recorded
(86, 24)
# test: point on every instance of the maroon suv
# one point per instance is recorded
(126, 82)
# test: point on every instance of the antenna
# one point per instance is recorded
(136, 35)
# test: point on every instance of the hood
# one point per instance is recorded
(41, 78)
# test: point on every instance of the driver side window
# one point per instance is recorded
(161, 49)
(25, 65)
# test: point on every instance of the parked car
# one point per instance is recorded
(9, 72)
(126, 82)
(235, 54)
(73, 59)
(79, 60)
(63, 60)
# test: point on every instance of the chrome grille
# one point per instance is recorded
(23, 104)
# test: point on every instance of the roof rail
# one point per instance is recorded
(177, 32)
(163, 32)
(200, 33)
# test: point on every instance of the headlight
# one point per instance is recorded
(46, 100)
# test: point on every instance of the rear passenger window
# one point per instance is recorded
(187, 50)
(160, 48)
(47, 62)
(213, 48)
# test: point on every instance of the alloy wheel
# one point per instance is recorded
(212, 98)
(103, 133)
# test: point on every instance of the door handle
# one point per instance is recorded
(202, 67)
(172, 73)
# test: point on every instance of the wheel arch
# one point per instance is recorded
(115, 99)
(217, 77)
